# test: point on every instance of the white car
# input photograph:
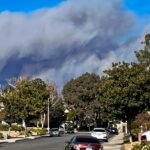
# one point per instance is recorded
(146, 136)
(100, 134)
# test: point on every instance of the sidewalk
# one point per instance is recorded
(13, 140)
(115, 143)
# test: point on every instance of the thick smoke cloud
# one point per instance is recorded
(63, 42)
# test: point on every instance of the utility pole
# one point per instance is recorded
(48, 116)
(52, 100)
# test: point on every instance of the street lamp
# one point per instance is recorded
(52, 98)
(48, 116)
(66, 114)
(66, 111)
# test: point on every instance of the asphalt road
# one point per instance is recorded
(44, 143)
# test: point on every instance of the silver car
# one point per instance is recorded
(100, 134)
(54, 132)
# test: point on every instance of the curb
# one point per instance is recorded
(23, 138)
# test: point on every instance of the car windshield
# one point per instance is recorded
(69, 129)
(99, 130)
(86, 140)
(55, 129)
(114, 129)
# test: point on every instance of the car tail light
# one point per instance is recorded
(79, 146)
(76, 147)
(83, 147)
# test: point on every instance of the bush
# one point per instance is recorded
(4, 127)
(137, 147)
(146, 146)
(39, 131)
(17, 128)
(42, 131)
(136, 130)
(23, 133)
(141, 147)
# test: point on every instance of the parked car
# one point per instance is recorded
(100, 134)
(54, 132)
(61, 130)
(112, 130)
(70, 131)
(83, 142)
(146, 136)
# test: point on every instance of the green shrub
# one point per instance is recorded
(146, 146)
(39, 131)
(134, 127)
(43, 131)
(17, 128)
(4, 127)
(141, 147)
(23, 133)
(137, 147)
(136, 130)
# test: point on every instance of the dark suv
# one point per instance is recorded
(112, 130)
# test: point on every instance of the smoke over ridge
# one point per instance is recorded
(63, 42)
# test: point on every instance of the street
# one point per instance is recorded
(50, 143)
(45, 143)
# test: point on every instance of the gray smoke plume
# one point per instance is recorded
(61, 43)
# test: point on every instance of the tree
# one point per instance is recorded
(124, 91)
(56, 113)
(143, 55)
(2, 115)
(79, 95)
(28, 100)
(56, 105)
(143, 120)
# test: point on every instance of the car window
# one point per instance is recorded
(143, 137)
(54, 129)
(114, 129)
(86, 140)
(73, 139)
(99, 130)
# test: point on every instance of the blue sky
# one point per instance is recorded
(139, 7)
(26, 5)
